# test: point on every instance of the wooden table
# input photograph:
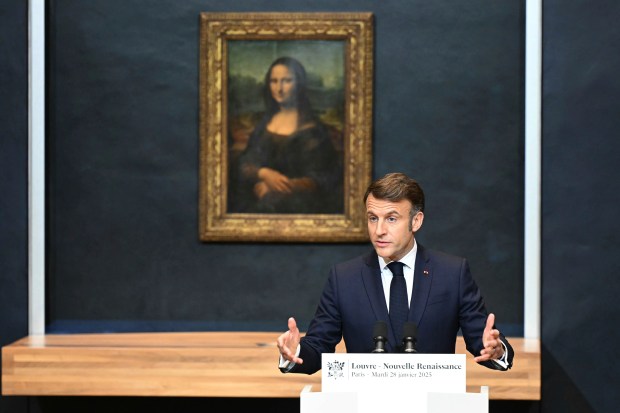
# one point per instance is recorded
(202, 364)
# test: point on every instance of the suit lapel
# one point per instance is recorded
(422, 280)
(371, 277)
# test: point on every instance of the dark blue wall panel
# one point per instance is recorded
(123, 163)
(581, 194)
(13, 180)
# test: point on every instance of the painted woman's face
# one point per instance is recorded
(282, 83)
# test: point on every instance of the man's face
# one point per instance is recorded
(390, 228)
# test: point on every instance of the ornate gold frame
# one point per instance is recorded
(215, 223)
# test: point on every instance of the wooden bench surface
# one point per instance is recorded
(202, 364)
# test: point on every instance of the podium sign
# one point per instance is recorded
(349, 372)
(416, 383)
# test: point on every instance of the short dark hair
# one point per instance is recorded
(395, 187)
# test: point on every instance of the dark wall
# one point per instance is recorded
(581, 194)
(13, 179)
(123, 163)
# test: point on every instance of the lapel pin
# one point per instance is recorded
(425, 272)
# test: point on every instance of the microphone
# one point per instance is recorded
(379, 334)
(410, 332)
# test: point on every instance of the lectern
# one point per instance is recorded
(415, 383)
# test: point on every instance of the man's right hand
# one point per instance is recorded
(288, 342)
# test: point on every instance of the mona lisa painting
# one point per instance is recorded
(285, 112)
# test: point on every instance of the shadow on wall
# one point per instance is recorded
(557, 387)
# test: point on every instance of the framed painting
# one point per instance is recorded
(285, 126)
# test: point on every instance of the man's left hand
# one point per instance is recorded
(493, 347)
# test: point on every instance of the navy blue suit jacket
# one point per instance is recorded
(445, 299)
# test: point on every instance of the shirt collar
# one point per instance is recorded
(408, 259)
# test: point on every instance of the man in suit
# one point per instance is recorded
(441, 292)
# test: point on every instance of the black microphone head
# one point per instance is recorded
(380, 329)
(379, 335)
(410, 330)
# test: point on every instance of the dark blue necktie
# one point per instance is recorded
(399, 305)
